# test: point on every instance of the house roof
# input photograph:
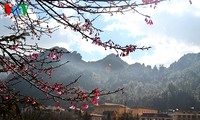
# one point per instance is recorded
(187, 112)
(142, 108)
(96, 115)
(114, 105)
(155, 115)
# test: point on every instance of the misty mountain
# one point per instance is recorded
(188, 60)
(112, 61)
(159, 87)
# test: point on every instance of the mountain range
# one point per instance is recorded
(177, 86)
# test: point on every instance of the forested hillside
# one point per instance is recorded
(177, 86)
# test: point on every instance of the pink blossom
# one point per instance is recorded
(60, 56)
(45, 86)
(26, 100)
(52, 56)
(34, 56)
(31, 64)
(97, 93)
(144, 1)
(94, 101)
(34, 74)
(64, 16)
(24, 69)
(50, 73)
(6, 97)
(147, 1)
(33, 102)
(91, 31)
(14, 47)
(84, 106)
(2, 89)
(58, 106)
(36, 80)
(150, 22)
(96, 97)
(55, 86)
(59, 92)
(73, 107)
(97, 41)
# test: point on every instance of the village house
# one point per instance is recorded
(111, 109)
(155, 116)
(139, 111)
(117, 110)
(96, 116)
(186, 115)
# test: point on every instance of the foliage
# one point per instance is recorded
(126, 116)
(10, 110)
(49, 115)
(144, 86)
(86, 116)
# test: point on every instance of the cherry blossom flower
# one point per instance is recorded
(50, 73)
(58, 106)
(2, 89)
(55, 86)
(144, 1)
(91, 31)
(26, 100)
(34, 56)
(52, 56)
(24, 69)
(150, 22)
(34, 74)
(36, 81)
(97, 41)
(59, 92)
(13, 47)
(60, 56)
(33, 102)
(6, 97)
(94, 101)
(31, 64)
(97, 93)
(73, 107)
(85, 106)
(64, 16)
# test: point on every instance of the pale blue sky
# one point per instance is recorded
(175, 32)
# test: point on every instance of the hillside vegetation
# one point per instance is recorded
(177, 86)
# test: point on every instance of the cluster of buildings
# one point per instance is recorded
(110, 111)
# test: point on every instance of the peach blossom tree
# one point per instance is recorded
(26, 62)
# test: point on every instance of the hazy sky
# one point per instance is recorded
(176, 31)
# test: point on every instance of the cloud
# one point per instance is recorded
(165, 50)
(175, 31)
(179, 7)
(73, 41)
(129, 59)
